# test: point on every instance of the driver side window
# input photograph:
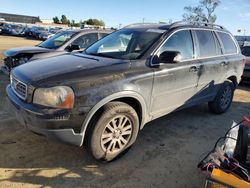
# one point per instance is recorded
(181, 42)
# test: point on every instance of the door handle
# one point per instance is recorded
(224, 63)
(194, 69)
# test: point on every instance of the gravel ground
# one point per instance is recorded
(165, 155)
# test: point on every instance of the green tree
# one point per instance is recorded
(56, 20)
(64, 20)
(94, 22)
(74, 24)
(204, 12)
(39, 19)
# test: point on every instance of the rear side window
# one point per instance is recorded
(246, 51)
(207, 46)
(228, 43)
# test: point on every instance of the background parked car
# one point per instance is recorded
(246, 74)
(13, 29)
(242, 40)
(61, 43)
(47, 34)
(37, 31)
(1, 27)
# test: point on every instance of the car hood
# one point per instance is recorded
(32, 49)
(57, 68)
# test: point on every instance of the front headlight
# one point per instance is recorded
(58, 97)
(23, 60)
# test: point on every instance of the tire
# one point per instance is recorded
(113, 131)
(223, 99)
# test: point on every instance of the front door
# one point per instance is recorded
(175, 84)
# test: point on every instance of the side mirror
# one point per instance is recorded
(169, 57)
(73, 47)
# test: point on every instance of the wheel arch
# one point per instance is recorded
(129, 97)
(234, 80)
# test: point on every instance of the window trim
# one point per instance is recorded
(218, 43)
(195, 58)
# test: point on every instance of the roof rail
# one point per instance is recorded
(135, 24)
(196, 23)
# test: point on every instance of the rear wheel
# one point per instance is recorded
(113, 131)
(223, 99)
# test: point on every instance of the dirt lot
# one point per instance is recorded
(165, 154)
(12, 42)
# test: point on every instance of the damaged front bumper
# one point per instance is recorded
(56, 128)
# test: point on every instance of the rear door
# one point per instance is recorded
(212, 61)
(175, 84)
(232, 65)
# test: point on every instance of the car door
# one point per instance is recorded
(213, 64)
(175, 84)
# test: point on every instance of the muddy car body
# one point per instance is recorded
(61, 43)
(125, 80)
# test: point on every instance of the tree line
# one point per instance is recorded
(73, 23)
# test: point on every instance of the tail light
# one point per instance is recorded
(245, 60)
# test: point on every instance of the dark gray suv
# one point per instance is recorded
(104, 96)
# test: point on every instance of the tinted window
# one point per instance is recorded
(246, 50)
(181, 42)
(86, 40)
(126, 43)
(206, 43)
(228, 43)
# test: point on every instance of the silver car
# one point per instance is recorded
(61, 43)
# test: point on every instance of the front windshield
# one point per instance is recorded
(125, 44)
(57, 40)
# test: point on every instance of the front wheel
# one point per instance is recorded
(223, 99)
(113, 131)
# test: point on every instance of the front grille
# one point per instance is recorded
(18, 87)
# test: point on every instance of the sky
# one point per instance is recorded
(233, 14)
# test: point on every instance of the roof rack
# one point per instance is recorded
(146, 23)
(195, 23)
